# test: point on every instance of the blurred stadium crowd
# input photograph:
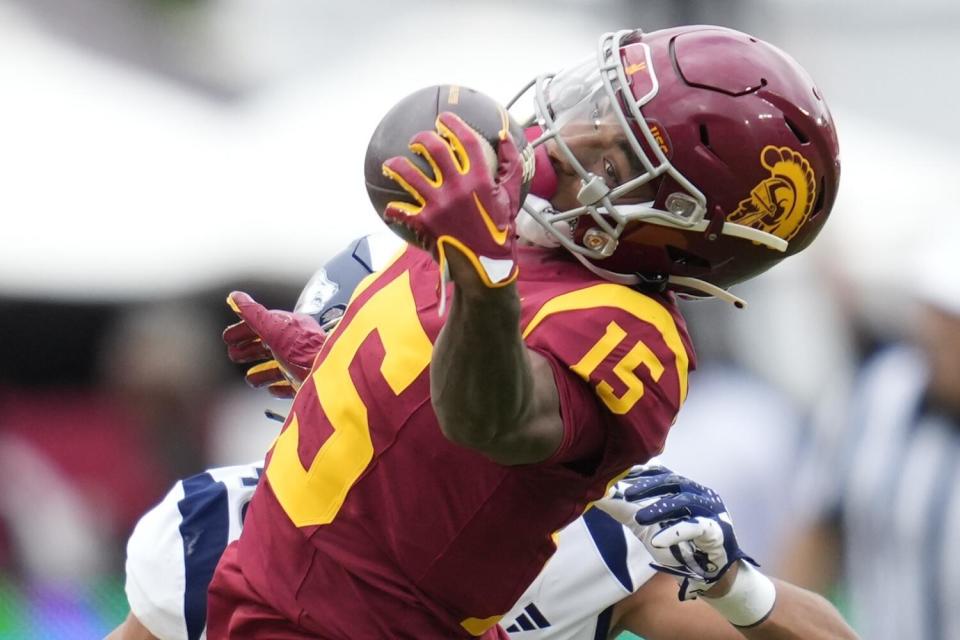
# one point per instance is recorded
(835, 397)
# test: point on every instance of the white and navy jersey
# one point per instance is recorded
(597, 563)
(893, 478)
(176, 546)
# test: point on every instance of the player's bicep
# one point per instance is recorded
(542, 432)
(546, 422)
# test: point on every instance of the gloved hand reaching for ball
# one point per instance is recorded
(469, 203)
(282, 343)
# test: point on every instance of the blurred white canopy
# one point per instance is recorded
(117, 184)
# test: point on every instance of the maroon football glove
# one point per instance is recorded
(286, 342)
(464, 204)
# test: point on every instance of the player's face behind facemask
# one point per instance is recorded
(590, 142)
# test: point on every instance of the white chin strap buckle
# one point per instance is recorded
(532, 231)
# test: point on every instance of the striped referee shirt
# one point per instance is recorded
(892, 474)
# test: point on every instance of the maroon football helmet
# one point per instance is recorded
(733, 158)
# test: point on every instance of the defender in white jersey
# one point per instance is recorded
(599, 582)
(602, 579)
(175, 547)
(177, 544)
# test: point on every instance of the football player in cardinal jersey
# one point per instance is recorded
(428, 460)
(602, 580)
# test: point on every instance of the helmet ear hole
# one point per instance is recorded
(689, 261)
(705, 140)
(801, 136)
(821, 196)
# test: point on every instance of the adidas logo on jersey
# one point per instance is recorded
(530, 620)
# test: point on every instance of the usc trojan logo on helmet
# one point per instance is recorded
(781, 203)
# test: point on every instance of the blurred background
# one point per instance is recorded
(156, 154)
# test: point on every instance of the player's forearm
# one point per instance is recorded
(800, 615)
(491, 393)
(480, 377)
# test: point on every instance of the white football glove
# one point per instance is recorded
(683, 525)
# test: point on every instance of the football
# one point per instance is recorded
(418, 112)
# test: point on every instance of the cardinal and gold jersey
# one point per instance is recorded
(368, 523)
(175, 546)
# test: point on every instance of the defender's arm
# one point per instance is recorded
(690, 536)
(654, 612)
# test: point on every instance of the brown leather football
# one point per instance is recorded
(418, 112)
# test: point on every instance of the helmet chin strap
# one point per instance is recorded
(619, 278)
(707, 288)
(532, 231)
(711, 290)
